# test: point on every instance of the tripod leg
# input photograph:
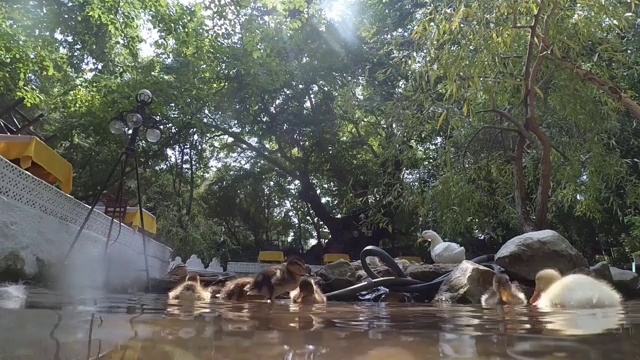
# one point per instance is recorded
(118, 201)
(93, 206)
(144, 235)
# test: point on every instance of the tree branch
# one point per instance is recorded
(607, 87)
(499, 128)
(257, 151)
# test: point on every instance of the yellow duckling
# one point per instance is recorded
(280, 279)
(236, 290)
(573, 291)
(190, 289)
(307, 293)
(503, 292)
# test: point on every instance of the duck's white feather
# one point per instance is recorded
(579, 291)
(443, 252)
(448, 253)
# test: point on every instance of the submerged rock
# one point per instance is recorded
(525, 255)
(337, 275)
(466, 284)
(429, 272)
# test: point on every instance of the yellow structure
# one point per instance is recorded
(271, 256)
(38, 158)
(329, 258)
(411, 258)
(132, 218)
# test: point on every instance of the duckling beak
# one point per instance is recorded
(535, 297)
(505, 296)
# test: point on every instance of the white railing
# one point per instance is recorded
(39, 220)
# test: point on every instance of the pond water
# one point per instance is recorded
(53, 326)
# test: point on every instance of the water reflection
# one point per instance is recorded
(148, 327)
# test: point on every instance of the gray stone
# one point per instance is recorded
(466, 284)
(12, 267)
(338, 275)
(429, 272)
(403, 264)
(525, 255)
(361, 276)
(624, 280)
(602, 271)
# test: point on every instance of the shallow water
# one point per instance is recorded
(147, 327)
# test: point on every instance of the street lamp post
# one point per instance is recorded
(133, 120)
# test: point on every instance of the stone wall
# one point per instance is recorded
(39, 222)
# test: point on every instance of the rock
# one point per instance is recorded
(383, 271)
(357, 266)
(624, 280)
(12, 267)
(525, 255)
(602, 271)
(403, 264)
(338, 275)
(361, 276)
(429, 272)
(466, 284)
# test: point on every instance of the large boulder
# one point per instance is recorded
(337, 275)
(429, 272)
(523, 256)
(467, 283)
(624, 280)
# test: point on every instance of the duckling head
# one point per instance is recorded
(296, 265)
(306, 286)
(502, 286)
(544, 279)
(193, 278)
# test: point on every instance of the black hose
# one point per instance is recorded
(400, 283)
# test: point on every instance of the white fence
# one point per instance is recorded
(38, 220)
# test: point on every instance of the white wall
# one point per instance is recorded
(37, 219)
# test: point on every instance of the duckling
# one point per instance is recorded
(573, 291)
(190, 289)
(236, 290)
(503, 292)
(307, 293)
(276, 280)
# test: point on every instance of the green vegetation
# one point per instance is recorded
(473, 118)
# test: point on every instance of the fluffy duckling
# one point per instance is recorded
(276, 280)
(236, 290)
(573, 291)
(503, 292)
(307, 293)
(190, 289)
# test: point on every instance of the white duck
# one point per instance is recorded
(443, 252)
(13, 296)
(573, 291)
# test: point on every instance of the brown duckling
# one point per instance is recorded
(236, 290)
(190, 289)
(279, 279)
(503, 292)
(307, 293)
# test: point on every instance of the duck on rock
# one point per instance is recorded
(443, 252)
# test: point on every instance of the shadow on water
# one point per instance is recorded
(147, 327)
